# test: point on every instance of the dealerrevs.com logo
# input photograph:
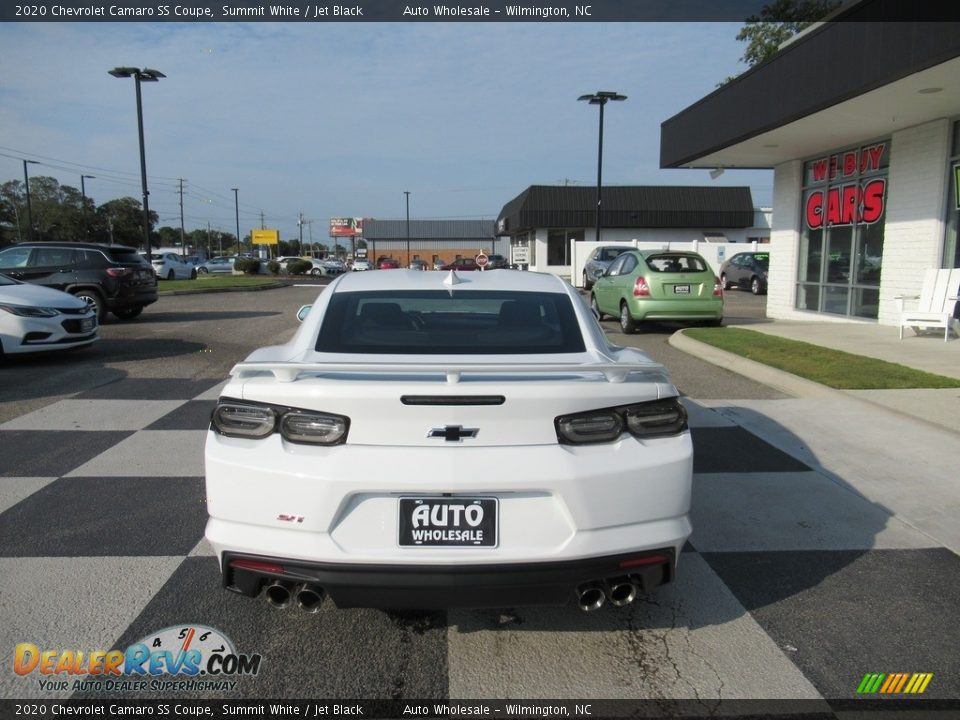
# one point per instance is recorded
(180, 657)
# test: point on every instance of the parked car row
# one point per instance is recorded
(110, 278)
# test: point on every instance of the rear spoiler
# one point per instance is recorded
(289, 372)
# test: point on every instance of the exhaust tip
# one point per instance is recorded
(590, 597)
(622, 591)
(310, 599)
(278, 595)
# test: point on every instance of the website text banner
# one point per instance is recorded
(381, 11)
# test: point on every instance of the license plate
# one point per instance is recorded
(448, 522)
(87, 324)
(681, 289)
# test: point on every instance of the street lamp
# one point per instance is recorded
(139, 76)
(83, 193)
(600, 98)
(236, 208)
(26, 183)
(407, 193)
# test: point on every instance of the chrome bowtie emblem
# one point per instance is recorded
(453, 433)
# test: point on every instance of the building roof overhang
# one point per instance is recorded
(840, 84)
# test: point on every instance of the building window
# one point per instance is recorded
(558, 245)
(841, 231)
(951, 246)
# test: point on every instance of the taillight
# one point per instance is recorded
(657, 418)
(717, 287)
(241, 420)
(640, 288)
(119, 272)
(255, 421)
(301, 426)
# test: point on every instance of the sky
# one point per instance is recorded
(341, 119)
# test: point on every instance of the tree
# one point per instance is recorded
(123, 221)
(777, 23)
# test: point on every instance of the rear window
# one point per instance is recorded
(127, 256)
(669, 263)
(432, 322)
(763, 260)
(608, 254)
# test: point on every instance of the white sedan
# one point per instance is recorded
(429, 440)
(170, 266)
(34, 318)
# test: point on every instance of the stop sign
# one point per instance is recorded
(482, 260)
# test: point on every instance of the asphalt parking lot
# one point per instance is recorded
(794, 584)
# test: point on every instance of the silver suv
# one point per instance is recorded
(599, 261)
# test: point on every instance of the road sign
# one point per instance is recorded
(482, 260)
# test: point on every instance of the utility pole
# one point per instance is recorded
(300, 224)
(183, 242)
(262, 226)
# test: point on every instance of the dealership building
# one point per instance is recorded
(860, 122)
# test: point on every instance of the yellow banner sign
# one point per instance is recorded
(265, 237)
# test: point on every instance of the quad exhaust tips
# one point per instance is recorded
(280, 595)
(619, 591)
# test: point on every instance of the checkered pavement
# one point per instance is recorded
(793, 586)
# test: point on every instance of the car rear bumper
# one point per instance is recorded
(444, 587)
(700, 309)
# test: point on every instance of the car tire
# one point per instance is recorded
(714, 323)
(587, 285)
(92, 297)
(756, 287)
(128, 313)
(171, 275)
(627, 324)
(316, 272)
(202, 270)
(723, 282)
(596, 308)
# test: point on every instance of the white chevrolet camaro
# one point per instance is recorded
(429, 440)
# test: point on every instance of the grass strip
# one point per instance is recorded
(213, 283)
(834, 368)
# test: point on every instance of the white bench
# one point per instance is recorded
(936, 302)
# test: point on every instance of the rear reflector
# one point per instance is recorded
(646, 560)
(257, 566)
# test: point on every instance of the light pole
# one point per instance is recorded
(139, 76)
(26, 184)
(83, 193)
(236, 208)
(600, 98)
(407, 193)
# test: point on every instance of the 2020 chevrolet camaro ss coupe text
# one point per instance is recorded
(429, 440)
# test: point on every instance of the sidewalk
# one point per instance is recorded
(920, 352)
(897, 448)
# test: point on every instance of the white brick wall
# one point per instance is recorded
(913, 233)
(784, 240)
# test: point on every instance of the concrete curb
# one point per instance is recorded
(782, 380)
(769, 376)
(206, 291)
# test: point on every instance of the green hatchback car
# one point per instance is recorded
(643, 285)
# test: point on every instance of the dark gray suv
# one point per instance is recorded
(112, 278)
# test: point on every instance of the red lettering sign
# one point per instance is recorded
(850, 204)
